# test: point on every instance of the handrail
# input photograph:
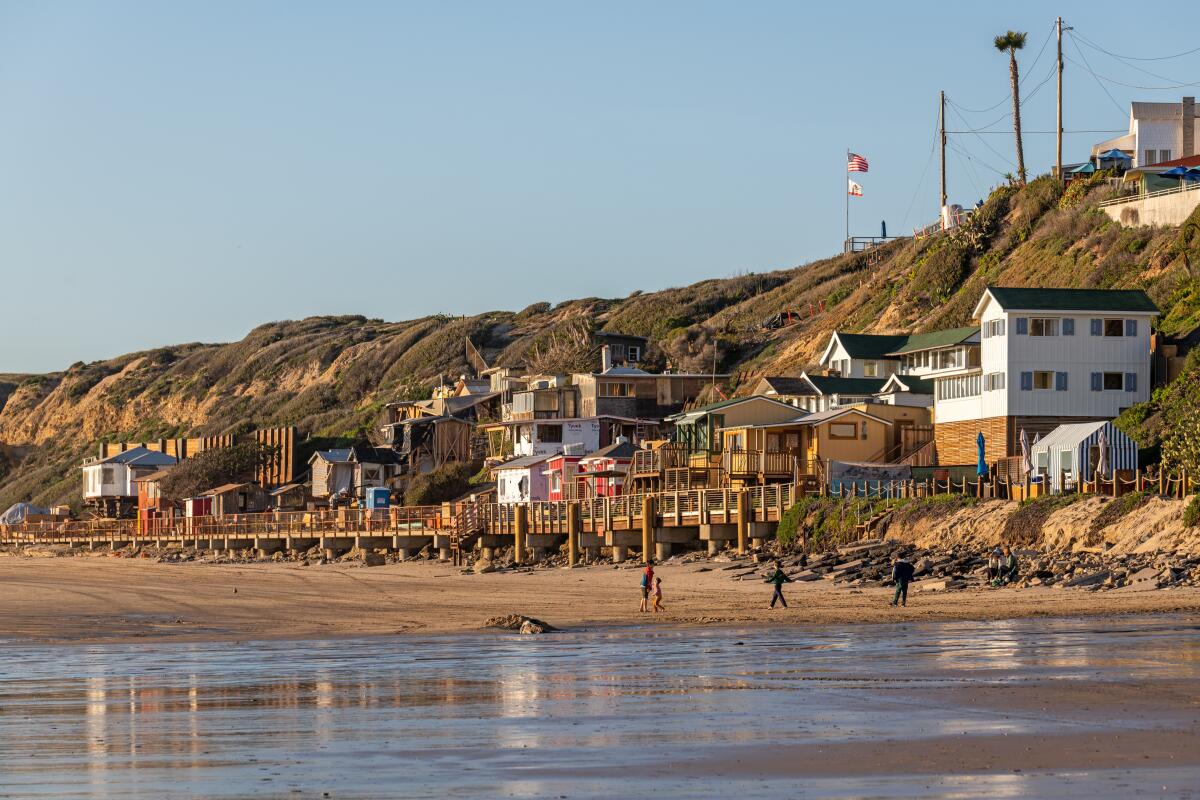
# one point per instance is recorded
(1189, 186)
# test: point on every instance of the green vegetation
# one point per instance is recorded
(442, 484)
(214, 468)
(1191, 513)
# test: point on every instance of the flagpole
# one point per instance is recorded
(846, 190)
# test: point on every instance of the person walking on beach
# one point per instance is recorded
(647, 585)
(658, 595)
(902, 574)
(779, 578)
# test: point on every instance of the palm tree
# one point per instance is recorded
(1010, 43)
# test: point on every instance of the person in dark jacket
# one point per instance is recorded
(779, 578)
(1009, 567)
(902, 574)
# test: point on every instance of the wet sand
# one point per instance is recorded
(112, 600)
(1018, 708)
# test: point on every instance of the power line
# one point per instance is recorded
(1129, 85)
(1006, 97)
(1098, 48)
(984, 141)
(1007, 114)
(1024, 131)
(1136, 58)
(975, 159)
(1092, 72)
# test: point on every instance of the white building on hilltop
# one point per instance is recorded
(1158, 132)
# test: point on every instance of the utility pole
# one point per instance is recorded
(942, 139)
(1059, 129)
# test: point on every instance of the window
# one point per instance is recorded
(1150, 159)
(615, 389)
(1114, 381)
(949, 359)
(843, 430)
(1043, 326)
(549, 433)
(1164, 155)
(925, 358)
(635, 354)
(871, 369)
(957, 388)
(1043, 380)
(993, 327)
(1114, 327)
(993, 381)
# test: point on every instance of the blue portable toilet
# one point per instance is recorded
(378, 497)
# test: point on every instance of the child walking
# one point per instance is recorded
(658, 606)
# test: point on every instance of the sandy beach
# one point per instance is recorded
(113, 600)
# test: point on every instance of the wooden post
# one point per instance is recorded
(572, 533)
(1162, 473)
(743, 523)
(647, 529)
(519, 533)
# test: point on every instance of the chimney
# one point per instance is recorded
(1189, 126)
(605, 359)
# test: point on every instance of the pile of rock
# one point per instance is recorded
(869, 563)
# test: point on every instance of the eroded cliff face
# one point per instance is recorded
(1153, 527)
(330, 375)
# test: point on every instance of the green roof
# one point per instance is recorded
(1038, 299)
(928, 341)
(696, 413)
(870, 345)
(915, 385)
(832, 384)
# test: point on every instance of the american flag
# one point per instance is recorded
(856, 163)
(854, 189)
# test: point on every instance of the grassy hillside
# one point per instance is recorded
(330, 375)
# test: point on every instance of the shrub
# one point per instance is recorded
(1191, 513)
(441, 485)
(216, 467)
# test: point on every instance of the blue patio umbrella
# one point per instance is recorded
(981, 468)
(1113, 155)
(1182, 173)
(1086, 168)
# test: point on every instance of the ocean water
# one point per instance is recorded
(644, 712)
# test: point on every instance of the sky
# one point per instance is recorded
(177, 172)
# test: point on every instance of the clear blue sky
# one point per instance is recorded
(173, 172)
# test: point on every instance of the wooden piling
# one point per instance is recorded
(647, 529)
(520, 531)
(743, 522)
(572, 534)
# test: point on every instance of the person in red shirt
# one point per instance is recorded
(647, 585)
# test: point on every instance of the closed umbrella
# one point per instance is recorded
(1026, 462)
(981, 468)
(1102, 457)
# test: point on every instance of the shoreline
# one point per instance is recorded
(70, 601)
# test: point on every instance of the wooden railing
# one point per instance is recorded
(753, 462)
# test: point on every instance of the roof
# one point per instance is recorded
(287, 487)
(624, 371)
(833, 384)
(1159, 111)
(928, 341)
(1071, 435)
(524, 462)
(830, 414)
(336, 456)
(869, 345)
(375, 455)
(910, 383)
(817, 418)
(223, 488)
(782, 385)
(617, 335)
(614, 450)
(1186, 161)
(1030, 298)
(138, 457)
(153, 476)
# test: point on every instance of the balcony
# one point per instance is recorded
(753, 463)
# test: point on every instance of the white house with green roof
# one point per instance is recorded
(1047, 357)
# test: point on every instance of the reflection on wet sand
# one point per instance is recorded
(880, 710)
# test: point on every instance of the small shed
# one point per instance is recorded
(1071, 453)
(332, 471)
(237, 498)
(289, 497)
(522, 480)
